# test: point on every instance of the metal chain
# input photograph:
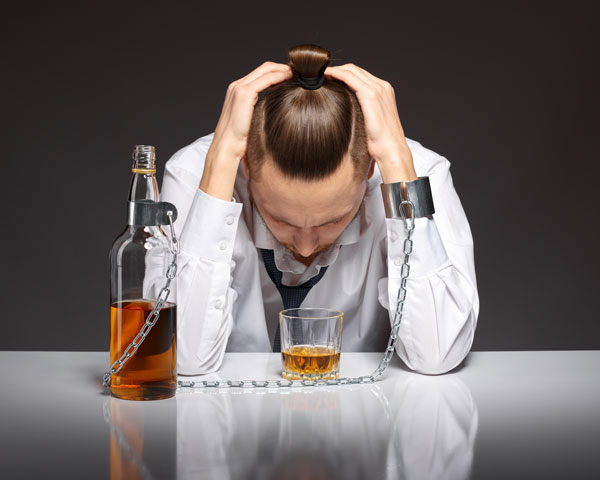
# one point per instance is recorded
(387, 355)
(152, 317)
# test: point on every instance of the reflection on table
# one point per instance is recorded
(423, 427)
(505, 415)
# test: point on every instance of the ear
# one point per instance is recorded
(371, 169)
(246, 168)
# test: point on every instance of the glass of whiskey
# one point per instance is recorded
(311, 342)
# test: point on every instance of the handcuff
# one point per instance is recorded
(418, 192)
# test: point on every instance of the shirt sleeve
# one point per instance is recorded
(442, 304)
(207, 228)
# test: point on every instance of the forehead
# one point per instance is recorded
(306, 202)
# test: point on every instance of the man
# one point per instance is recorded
(234, 212)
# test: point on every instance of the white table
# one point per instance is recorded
(502, 415)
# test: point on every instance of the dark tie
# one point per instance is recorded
(292, 296)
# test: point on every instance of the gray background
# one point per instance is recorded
(508, 92)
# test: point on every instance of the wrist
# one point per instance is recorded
(218, 178)
(393, 172)
(397, 166)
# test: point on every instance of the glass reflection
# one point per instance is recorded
(414, 427)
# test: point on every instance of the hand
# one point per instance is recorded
(230, 142)
(385, 137)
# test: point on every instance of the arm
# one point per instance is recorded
(442, 303)
(207, 228)
(203, 195)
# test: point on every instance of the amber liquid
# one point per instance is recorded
(151, 373)
(303, 362)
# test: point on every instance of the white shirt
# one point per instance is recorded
(227, 302)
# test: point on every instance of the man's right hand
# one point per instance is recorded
(230, 142)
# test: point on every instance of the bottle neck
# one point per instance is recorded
(143, 187)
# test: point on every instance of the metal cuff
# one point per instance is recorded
(418, 192)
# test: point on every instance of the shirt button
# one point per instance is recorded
(218, 304)
(398, 262)
(393, 236)
(222, 245)
(229, 220)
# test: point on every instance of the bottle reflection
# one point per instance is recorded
(414, 427)
(142, 439)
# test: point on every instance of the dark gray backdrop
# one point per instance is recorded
(508, 93)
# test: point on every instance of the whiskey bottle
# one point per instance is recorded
(139, 259)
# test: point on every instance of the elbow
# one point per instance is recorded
(440, 321)
(195, 368)
(194, 363)
(438, 367)
(443, 359)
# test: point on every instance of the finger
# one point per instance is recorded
(350, 78)
(266, 80)
(263, 69)
(359, 72)
(364, 75)
(368, 74)
(256, 81)
(386, 86)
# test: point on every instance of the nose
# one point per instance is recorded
(306, 241)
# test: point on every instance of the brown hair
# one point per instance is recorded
(308, 132)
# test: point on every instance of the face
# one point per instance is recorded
(307, 216)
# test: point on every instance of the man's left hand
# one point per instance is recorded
(385, 136)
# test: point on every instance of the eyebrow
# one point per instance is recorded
(335, 220)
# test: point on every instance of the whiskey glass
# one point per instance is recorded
(311, 343)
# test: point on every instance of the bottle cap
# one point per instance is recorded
(144, 157)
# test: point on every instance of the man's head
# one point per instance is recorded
(307, 158)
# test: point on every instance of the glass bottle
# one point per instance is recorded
(139, 259)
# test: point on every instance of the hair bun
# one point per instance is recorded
(308, 60)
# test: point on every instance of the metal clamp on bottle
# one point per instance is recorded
(147, 212)
(418, 192)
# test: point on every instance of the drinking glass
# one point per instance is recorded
(311, 342)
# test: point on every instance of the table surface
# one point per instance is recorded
(504, 415)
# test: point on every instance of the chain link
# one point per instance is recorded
(152, 317)
(387, 354)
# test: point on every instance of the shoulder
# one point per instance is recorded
(191, 157)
